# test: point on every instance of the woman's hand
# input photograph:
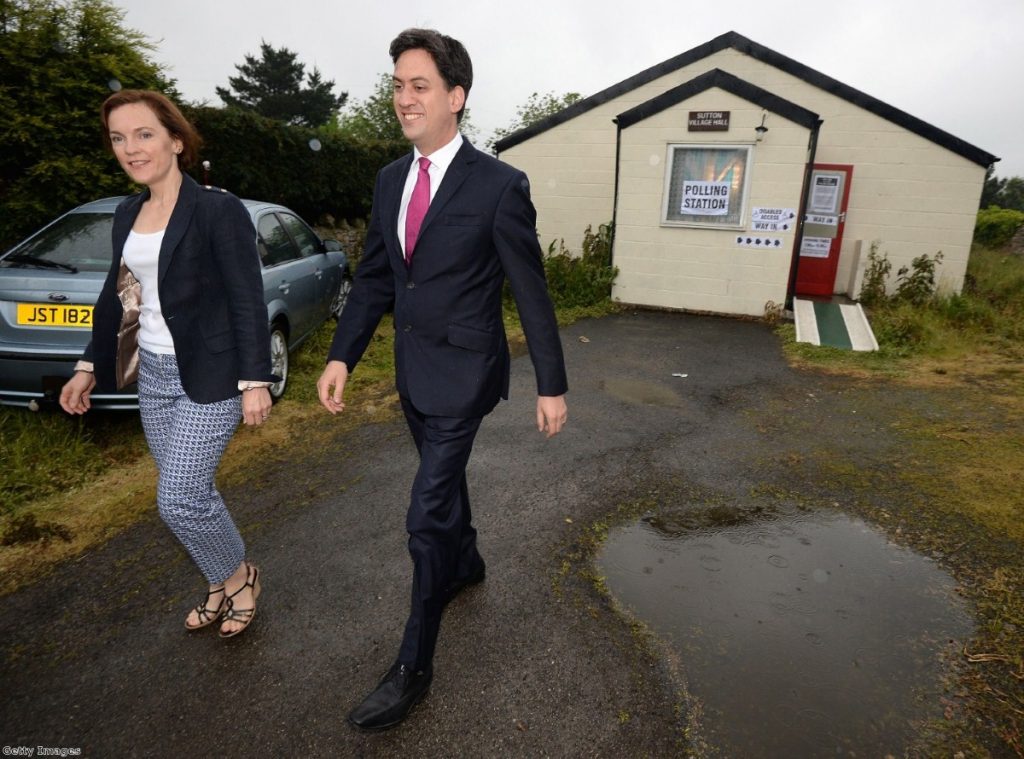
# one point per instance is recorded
(74, 396)
(256, 405)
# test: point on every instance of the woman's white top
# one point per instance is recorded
(141, 255)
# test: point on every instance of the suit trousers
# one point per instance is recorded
(442, 539)
(187, 440)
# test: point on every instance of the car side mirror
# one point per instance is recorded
(332, 246)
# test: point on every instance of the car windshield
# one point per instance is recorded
(79, 240)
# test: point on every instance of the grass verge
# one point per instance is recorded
(69, 484)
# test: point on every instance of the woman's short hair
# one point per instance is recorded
(166, 112)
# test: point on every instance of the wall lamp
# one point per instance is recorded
(761, 130)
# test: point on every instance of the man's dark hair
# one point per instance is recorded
(449, 56)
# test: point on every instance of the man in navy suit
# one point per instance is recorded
(448, 225)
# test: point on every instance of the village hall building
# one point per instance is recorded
(737, 177)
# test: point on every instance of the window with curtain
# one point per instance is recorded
(706, 185)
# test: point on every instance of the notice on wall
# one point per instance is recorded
(705, 198)
(825, 193)
(708, 121)
(817, 218)
(763, 219)
(815, 247)
(756, 241)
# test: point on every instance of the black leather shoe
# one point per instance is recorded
(477, 576)
(392, 700)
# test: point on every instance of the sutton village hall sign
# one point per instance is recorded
(708, 121)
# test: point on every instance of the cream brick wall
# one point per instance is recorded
(699, 268)
(910, 195)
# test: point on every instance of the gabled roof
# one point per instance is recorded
(725, 81)
(741, 44)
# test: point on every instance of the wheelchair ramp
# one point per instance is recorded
(839, 325)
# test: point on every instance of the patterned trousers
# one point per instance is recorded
(187, 439)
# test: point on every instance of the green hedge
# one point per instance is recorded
(312, 172)
(996, 226)
(251, 156)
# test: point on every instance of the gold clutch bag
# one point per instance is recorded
(129, 291)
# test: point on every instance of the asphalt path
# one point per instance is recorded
(533, 662)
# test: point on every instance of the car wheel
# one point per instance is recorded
(341, 298)
(278, 361)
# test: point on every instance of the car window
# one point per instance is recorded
(308, 242)
(274, 244)
(81, 240)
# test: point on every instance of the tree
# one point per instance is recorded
(536, 108)
(992, 189)
(59, 59)
(1002, 193)
(271, 85)
(374, 118)
(1013, 194)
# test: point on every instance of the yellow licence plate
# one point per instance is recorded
(46, 315)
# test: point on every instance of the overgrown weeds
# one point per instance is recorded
(915, 323)
(584, 280)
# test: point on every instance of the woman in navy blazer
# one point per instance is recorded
(182, 313)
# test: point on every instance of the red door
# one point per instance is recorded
(818, 257)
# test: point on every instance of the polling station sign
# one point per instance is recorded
(705, 198)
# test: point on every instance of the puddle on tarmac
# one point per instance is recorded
(802, 636)
(638, 391)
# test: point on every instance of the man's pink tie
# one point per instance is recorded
(418, 204)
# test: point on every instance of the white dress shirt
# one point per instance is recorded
(440, 160)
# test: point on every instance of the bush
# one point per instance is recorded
(584, 280)
(995, 227)
(916, 283)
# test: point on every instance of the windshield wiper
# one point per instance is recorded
(42, 263)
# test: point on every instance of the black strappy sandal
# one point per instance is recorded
(207, 616)
(244, 616)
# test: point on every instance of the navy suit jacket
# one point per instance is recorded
(451, 352)
(211, 294)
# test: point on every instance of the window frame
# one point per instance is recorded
(670, 154)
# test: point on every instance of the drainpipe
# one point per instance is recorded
(812, 149)
(615, 193)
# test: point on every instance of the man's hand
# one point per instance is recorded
(551, 414)
(74, 396)
(331, 386)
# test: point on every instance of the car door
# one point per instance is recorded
(327, 275)
(289, 278)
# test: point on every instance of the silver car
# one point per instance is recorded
(49, 284)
